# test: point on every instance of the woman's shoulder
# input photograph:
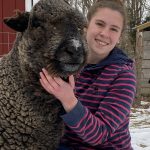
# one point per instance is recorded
(116, 67)
(115, 70)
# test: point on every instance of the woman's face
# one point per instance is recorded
(103, 33)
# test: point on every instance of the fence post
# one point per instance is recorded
(138, 63)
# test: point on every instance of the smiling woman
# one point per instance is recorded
(103, 33)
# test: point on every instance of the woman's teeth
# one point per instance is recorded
(102, 43)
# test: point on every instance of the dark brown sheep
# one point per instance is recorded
(49, 36)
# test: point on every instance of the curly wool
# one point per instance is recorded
(30, 117)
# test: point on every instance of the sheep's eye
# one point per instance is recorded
(35, 22)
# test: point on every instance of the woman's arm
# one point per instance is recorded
(112, 112)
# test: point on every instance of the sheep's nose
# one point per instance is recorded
(72, 47)
(76, 47)
(76, 43)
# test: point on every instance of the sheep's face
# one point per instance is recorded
(54, 39)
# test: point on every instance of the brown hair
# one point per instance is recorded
(116, 5)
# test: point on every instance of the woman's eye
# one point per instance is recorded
(100, 24)
(115, 30)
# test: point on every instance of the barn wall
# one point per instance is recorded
(1, 10)
(7, 35)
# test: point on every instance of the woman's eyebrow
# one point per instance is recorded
(100, 21)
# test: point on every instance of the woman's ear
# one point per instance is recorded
(19, 22)
(118, 41)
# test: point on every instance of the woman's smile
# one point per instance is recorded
(101, 43)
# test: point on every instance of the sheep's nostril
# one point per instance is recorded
(70, 51)
(73, 51)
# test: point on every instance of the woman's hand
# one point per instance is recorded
(60, 89)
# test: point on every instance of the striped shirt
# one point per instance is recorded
(105, 93)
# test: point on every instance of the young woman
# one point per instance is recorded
(97, 114)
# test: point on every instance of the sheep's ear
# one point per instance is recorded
(19, 22)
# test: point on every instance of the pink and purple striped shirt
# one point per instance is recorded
(105, 93)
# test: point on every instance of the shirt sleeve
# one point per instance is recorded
(113, 110)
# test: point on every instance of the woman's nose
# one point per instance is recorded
(105, 32)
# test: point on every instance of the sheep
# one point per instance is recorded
(51, 35)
